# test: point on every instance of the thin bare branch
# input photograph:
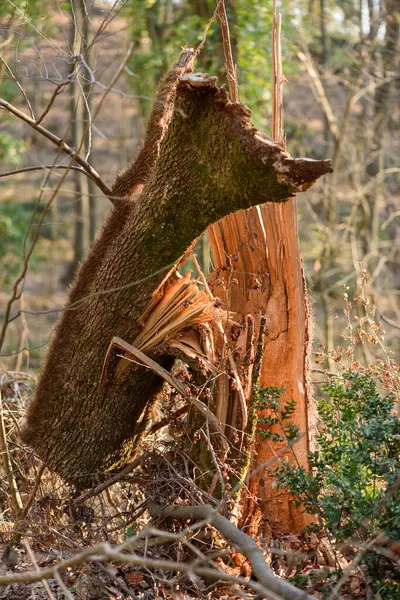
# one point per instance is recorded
(17, 83)
(226, 38)
(243, 542)
(59, 142)
(16, 290)
(41, 167)
(57, 91)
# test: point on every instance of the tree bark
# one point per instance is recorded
(211, 162)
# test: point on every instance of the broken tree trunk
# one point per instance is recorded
(286, 364)
(210, 162)
(259, 277)
(258, 272)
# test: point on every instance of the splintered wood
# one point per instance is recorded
(183, 317)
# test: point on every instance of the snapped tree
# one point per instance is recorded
(201, 160)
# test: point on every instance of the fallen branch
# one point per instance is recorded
(243, 542)
(121, 554)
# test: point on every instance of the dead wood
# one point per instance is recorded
(210, 162)
(243, 542)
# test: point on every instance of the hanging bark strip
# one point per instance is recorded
(208, 161)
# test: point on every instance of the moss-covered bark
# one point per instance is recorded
(211, 162)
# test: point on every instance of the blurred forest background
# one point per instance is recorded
(341, 67)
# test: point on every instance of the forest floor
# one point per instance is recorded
(57, 527)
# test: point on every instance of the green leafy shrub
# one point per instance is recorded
(354, 480)
(267, 399)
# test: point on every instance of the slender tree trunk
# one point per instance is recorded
(324, 41)
(211, 162)
(386, 63)
(87, 91)
(78, 133)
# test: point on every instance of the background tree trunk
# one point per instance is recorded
(79, 139)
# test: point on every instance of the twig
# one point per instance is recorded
(62, 586)
(226, 39)
(324, 372)
(205, 32)
(24, 336)
(32, 495)
(16, 291)
(364, 548)
(75, 305)
(41, 167)
(33, 559)
(118, 581)
(117, 75)
(389, 321)
(164, 422)
(59, 142)
(218, 474)
(51, 101)
(21, 89)
(243, 542)
(106, 484)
